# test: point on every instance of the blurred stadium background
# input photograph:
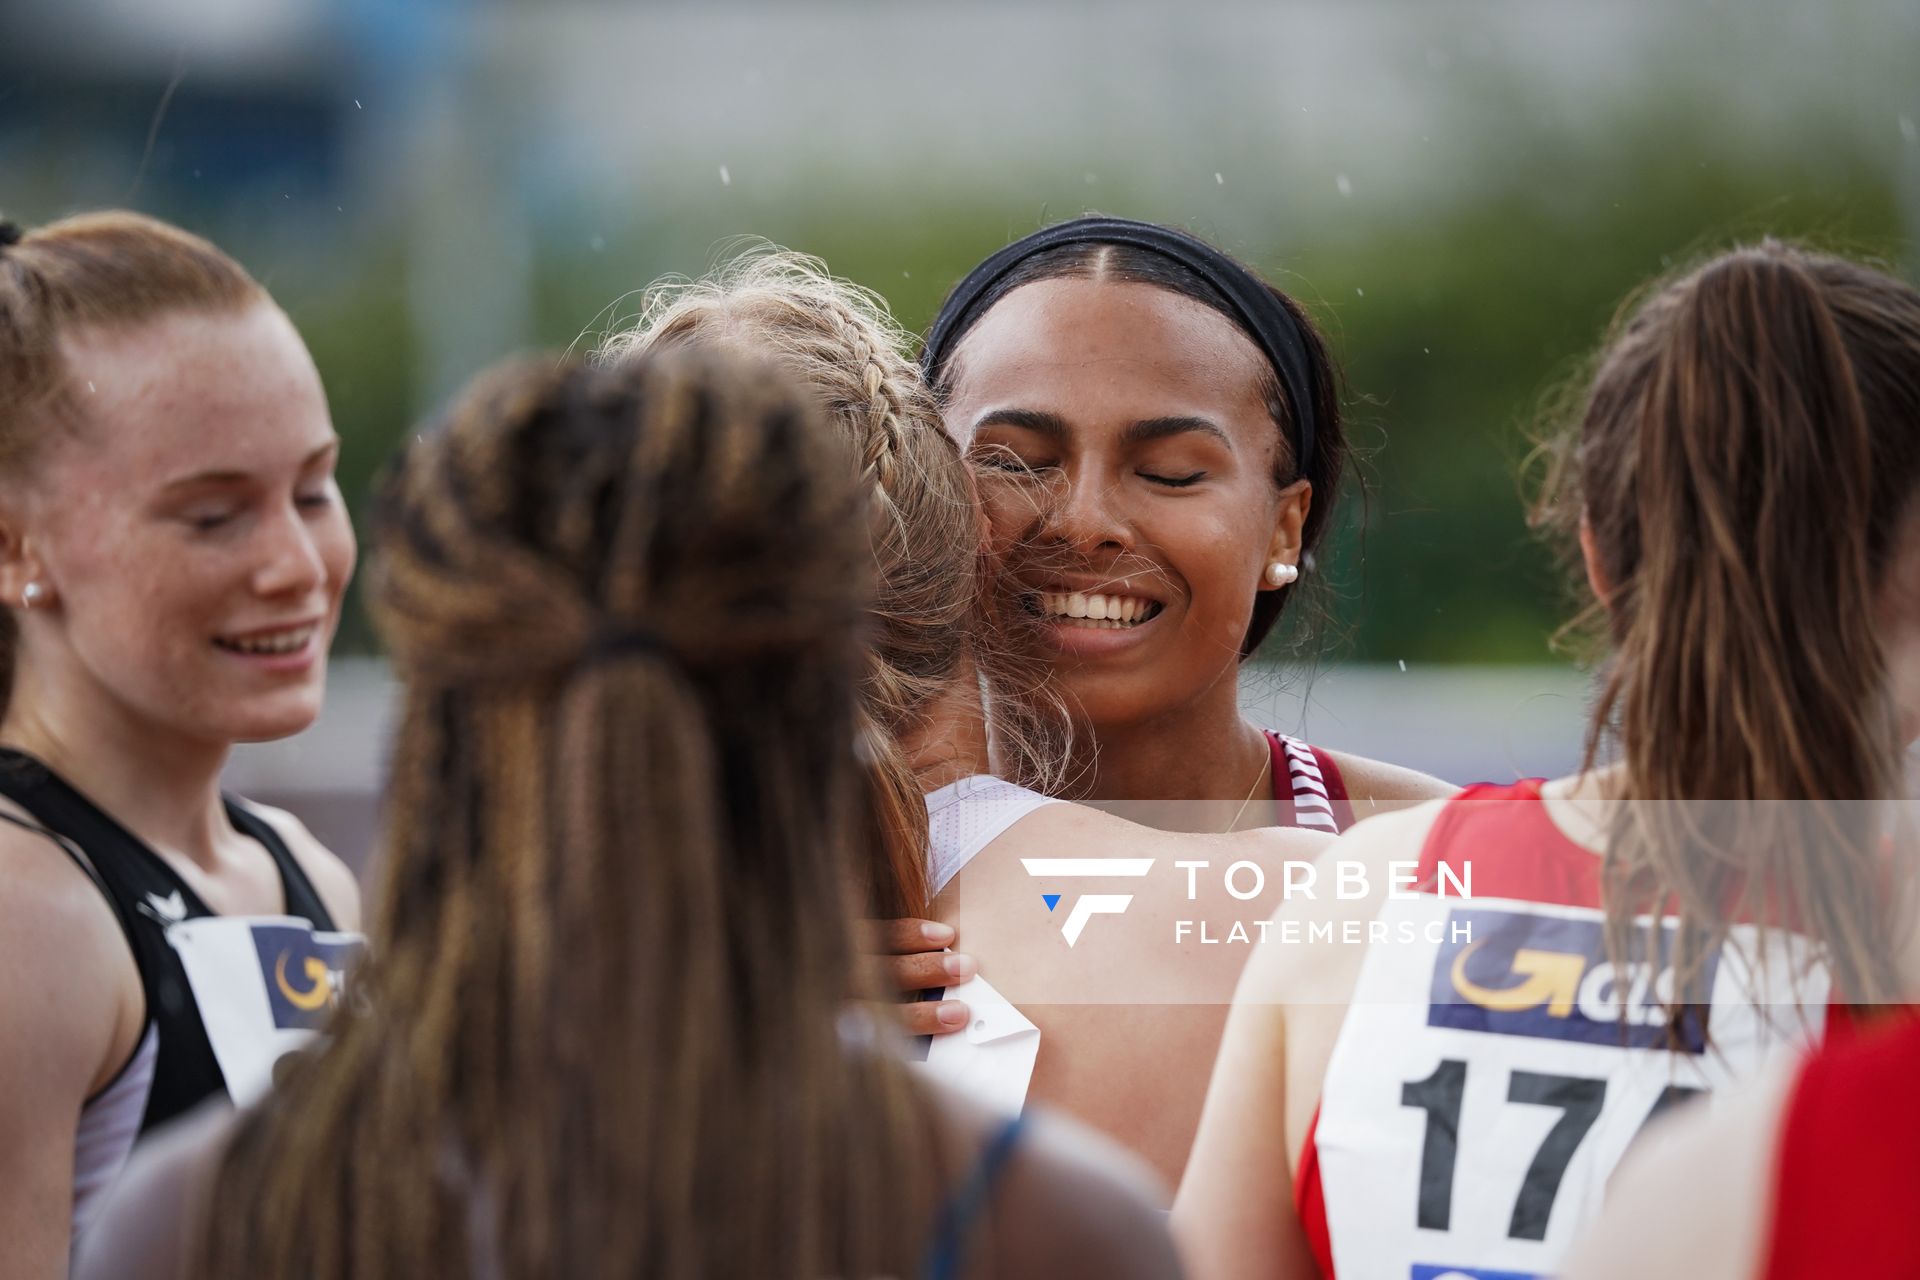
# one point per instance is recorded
(1461, 189)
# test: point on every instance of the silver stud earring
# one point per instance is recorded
(30, 595)
(1279, 573)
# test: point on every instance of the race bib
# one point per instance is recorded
(1490, 1076)
(264, 986)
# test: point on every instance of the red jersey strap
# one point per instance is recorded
(1308, 790)
(1310, 1202)
(1846, 1161)
(1336, 788)
(1514, 848)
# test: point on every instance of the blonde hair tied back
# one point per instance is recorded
(934, 612)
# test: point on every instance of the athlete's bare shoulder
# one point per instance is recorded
(1375, 786)
(1396, 835)
(47, 897)
(332, 879)
(1369, 852)
(57, 930)
(1086, 831)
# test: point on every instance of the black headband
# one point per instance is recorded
(1273, 326)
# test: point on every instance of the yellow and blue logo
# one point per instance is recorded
(1519, 974)
(304, 974)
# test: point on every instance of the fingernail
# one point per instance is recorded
(937, 932)
(960, 967)
(952, 1013)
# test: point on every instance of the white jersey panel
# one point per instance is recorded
(1488, 1079)
(108, 1126)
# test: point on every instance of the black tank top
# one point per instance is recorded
(147, 896)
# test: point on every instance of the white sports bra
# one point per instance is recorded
(965, 817)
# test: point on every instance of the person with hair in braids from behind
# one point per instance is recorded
(1738, 489)
(172, 556)
(606, 1028)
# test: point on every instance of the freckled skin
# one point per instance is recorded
(140, 592)
(119, 685)
(1101, 356)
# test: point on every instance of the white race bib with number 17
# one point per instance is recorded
(1485, 1085)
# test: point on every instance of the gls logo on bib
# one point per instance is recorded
(264, 986)
(304, 973)
(1548, 976)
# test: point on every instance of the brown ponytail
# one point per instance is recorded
(1746, 458)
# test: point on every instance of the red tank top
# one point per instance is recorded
(1846, 1162)
(1308, 790)
(1515, 1208)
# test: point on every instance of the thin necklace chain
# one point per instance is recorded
(1251, 792)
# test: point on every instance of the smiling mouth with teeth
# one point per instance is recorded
(1078, 609)
(279, 642)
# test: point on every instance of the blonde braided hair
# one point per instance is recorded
(935, 608)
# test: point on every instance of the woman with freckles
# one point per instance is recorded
(172, 556)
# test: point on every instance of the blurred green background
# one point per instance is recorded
(1462, 192)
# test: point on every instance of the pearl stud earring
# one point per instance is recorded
(30, 595)
(1279, 573)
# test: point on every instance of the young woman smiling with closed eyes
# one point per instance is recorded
(1135, 402)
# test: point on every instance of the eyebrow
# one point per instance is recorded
(200, 478)
(1038, 421)
(1150, 429)
(1145, 431)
